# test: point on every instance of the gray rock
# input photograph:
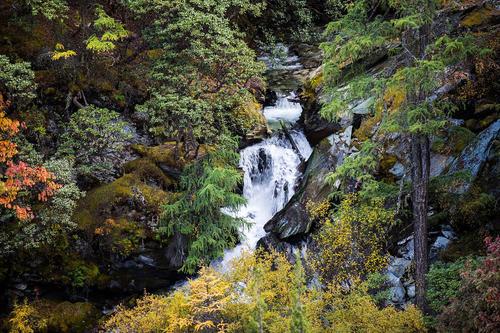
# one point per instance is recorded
(441, 243)
(410, 291)
(397, 294)
(398, 266)
(130, 264)
(363, 107)
(294, 219)
(439, 163)
(407, 248)
(21, 286)
(474, 156)
(114, 284)
(448, 232)
(398, 170)
(392, 279)
(146, 260)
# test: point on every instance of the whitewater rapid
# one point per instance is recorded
(271, 171)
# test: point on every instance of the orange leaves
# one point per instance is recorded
(17, 178)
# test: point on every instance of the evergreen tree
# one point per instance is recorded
(202, 213)
(202, 70)
(404, 97)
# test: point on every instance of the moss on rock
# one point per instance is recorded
(249, 120)
(67, 316)
(170, 154)
(102, 203)
(454, 142)
(147, 171)
(480, 16)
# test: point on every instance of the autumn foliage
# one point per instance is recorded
(477, 305)
(18, 179)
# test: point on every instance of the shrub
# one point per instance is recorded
(92, 136)
(351, 244)
(476, 307)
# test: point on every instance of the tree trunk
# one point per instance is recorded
(420, 159)
(415, 42)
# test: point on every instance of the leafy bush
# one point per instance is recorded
(351, 243)
(443, 283)
(92, 136)
(476, 307)
(261, 292)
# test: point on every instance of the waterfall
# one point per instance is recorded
(285, 109)
(271, 171)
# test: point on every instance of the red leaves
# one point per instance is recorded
(17, 178)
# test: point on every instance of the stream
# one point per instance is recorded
(271, 173)
(271, 167)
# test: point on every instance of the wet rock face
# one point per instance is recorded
(475, 155)
(294, 220)
(315, 127)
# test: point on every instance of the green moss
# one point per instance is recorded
(460, 137)
(67, 316)
(468, 244)
(147, 170)
(438, 219)
(247, 117)
(166, 153)
(454, 142)
(479, 16)
(317, 80)
(387, 162)
(98, 203)
(121, 236)
(80, 273)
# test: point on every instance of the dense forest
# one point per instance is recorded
(249, 166)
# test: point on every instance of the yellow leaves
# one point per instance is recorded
(318, 210)
(351, 245)
(111, 29)
(61, 53)
(255, 295)
(26, 319)
(356, 312)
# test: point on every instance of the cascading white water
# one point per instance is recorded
(271, 169)
(285, 109)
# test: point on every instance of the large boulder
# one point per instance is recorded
(474, 156)
(316, 128)
(294, 219)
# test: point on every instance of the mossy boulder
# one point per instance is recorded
(67, 316)
(453, 141)
(148, 172)
(480, 16)
(126, 192)
(249, 120)
(170, 155)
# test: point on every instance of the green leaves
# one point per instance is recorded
(111, 31)
(51, 9)
(17, 80)
(91, 136)
(202, 71)
(202, 211)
